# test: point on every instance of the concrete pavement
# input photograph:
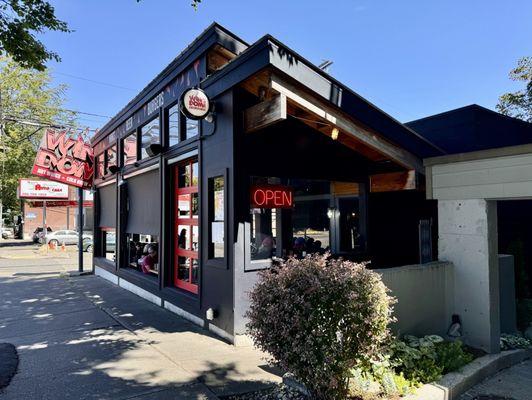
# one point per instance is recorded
(514, 383)
(84, 338)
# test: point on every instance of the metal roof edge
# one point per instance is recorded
(177, 62)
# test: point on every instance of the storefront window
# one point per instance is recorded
(263, 233)
(143, 253)
(100, 165)
(173, 125)
(311, 226)
(187, 242)
(109, 244)
(217, 217)
(111, 158)
(191, 128)
(129, 145)
(150, 134)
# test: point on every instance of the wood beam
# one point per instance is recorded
(394, 181)
(265, 114)
(321, 109)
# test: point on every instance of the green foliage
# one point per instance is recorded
(20, 21)
(451, 356)
(407, 364)
(318, 317)
(512, 342)
(519, 104)
(25, 95)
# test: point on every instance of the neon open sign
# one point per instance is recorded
(271, 196)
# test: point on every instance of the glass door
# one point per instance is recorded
(186, 234)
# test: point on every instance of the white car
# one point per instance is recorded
(63, 236)
(7, 233)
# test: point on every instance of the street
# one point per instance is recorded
(84, 338)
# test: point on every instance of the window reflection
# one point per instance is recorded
(150, 134)
(173, 125)
(191, 128)
(130, 149)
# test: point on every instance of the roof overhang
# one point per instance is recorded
(270, 64)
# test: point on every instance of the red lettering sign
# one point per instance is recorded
(272, 196)
(64, 159)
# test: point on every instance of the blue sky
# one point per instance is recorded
(412, 58)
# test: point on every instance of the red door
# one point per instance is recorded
(186, 264)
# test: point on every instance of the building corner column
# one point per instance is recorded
(468, 238)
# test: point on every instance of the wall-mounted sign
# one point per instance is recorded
(272, 196)
(156, 103)
(64, 159)
(29, 189)
(31, 215)
(195, 104)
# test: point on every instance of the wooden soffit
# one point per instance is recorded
(321, 115)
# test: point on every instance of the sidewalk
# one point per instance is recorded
(514, 383)
(84, 338)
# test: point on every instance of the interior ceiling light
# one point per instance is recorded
(334, 133)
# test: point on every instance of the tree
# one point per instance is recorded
(25, 96)
(20, 21)
(519, 104)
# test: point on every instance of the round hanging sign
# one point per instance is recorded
(195, 104)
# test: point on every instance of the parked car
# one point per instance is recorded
(38, 234)
(88, 244)
(7, 233)
(63, 236)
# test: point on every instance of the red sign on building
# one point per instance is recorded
(64, 159)
(272, 196)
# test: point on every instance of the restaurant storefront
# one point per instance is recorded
(286, 162)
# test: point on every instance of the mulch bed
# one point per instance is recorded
(491, 397)
(8, 363)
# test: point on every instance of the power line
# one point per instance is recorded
(95, 81)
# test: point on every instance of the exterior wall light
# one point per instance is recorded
(334, 133)
(330, 212)
(211, 314)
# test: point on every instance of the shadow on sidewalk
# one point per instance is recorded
(84, 338)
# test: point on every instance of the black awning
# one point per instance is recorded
(107, 201)
(144, 202)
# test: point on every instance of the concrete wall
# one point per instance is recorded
(467, 232)
(490, 178)
(424, 297)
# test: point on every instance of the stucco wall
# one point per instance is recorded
(424, 297)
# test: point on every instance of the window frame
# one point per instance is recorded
(210, 260)
(190, 222)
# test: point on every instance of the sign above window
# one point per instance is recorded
(195, 104)
(272, 196)
(29, 189)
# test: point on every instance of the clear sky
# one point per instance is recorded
(412, 58)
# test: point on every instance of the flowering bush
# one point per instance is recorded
(318, 318)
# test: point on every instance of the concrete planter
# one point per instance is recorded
(454, 384)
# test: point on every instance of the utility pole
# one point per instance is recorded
(80, 229)
(3, 160)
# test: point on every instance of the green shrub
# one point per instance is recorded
(511, 342)
(451, 356)
(318, 318)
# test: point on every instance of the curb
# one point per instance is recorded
(454, 384)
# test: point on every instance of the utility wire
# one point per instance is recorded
(94, 81)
